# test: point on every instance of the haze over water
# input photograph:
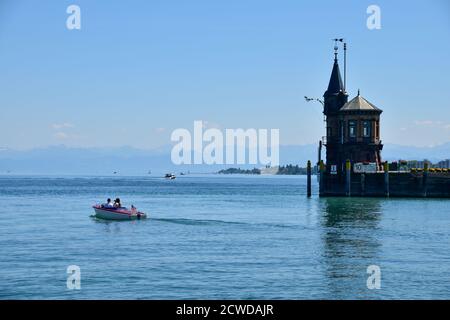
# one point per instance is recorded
(217, 237)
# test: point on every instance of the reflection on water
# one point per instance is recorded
(110, 226)
(350, 243)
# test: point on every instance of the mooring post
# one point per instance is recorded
(386, 178)
(425, 178)
(308, 179)
(321, 178)
(363, 183)
(348, 178)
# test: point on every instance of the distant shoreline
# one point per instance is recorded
(282, 170)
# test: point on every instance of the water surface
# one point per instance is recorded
(217, 237)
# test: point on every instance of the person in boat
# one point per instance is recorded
(117, 203)
(108, 204)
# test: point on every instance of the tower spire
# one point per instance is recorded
(335, 85)
(335, 96)
(336, 40)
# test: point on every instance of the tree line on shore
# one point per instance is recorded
(240, 171)
(282, 170)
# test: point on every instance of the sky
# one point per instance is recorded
(137, 70)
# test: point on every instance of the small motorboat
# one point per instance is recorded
(121, 213)
(170, 176)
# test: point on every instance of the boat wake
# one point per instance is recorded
(196, 222)
(207, 222)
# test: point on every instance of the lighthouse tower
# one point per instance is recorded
(352, 127)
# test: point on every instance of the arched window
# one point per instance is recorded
(367, 129)
(377, 129)
(352, 129)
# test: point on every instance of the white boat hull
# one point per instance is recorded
(111, 214)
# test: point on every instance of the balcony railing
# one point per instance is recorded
(358, 140)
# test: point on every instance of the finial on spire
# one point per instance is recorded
(336, 47)
(335, 50)
(358, 92)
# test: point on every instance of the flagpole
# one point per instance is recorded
(345, 66)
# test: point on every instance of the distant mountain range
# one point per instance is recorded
(435, 153)
(132, 161)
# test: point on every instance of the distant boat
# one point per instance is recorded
(149, 172)
(170, 176)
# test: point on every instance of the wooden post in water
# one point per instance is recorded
(348, 178)
(308, 179)
(425, 178)
(321, 178)
(363, 183)
(386, 178)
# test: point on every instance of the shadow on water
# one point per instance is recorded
(350, 243)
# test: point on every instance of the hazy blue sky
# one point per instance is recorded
(139, 69)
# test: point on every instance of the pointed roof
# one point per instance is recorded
(335, 85)
(358, 103)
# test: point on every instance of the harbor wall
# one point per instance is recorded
(380, 184)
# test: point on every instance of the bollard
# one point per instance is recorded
(321, 178)
(308, 179)
(348, 178)
(363, 184)
(424, 179)
(386, 178)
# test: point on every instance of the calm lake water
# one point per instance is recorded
(217, 237)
